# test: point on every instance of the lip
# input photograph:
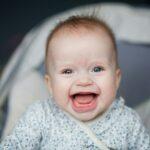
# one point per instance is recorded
(84, 92)
(86, 105)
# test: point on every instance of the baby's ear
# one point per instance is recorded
(48, 83)
(118, 78)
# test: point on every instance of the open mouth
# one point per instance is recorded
(83, 102)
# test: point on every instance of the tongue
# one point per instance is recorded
(84, 99)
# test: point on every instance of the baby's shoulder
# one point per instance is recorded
(40, 105)
(39, 110)
(123, 113)
(130, 116)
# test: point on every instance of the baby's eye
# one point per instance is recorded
(67, 71)
(97, 69)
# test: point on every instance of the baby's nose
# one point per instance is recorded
(84, 80)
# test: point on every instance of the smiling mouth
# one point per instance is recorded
(84, 102)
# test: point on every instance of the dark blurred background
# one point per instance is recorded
(17, 17)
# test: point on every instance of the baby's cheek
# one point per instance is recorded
(60, 89)
(108, 89)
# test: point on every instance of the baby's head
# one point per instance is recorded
(82, 67)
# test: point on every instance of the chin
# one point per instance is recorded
(85, 116)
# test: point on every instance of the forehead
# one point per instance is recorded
(81, 30)
(69, 38)
(80, 45)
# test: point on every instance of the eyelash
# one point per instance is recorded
(67, 71)
(70, 71)
(97, 67)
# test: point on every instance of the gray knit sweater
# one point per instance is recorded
(45, 126)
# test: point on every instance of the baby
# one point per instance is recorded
(83, 77)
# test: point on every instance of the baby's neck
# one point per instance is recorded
(99, 117)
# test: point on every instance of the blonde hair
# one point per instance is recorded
(75, 23)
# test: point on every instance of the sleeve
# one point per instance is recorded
(27, 132)
(139, 137)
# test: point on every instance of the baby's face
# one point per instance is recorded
(83, 77)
